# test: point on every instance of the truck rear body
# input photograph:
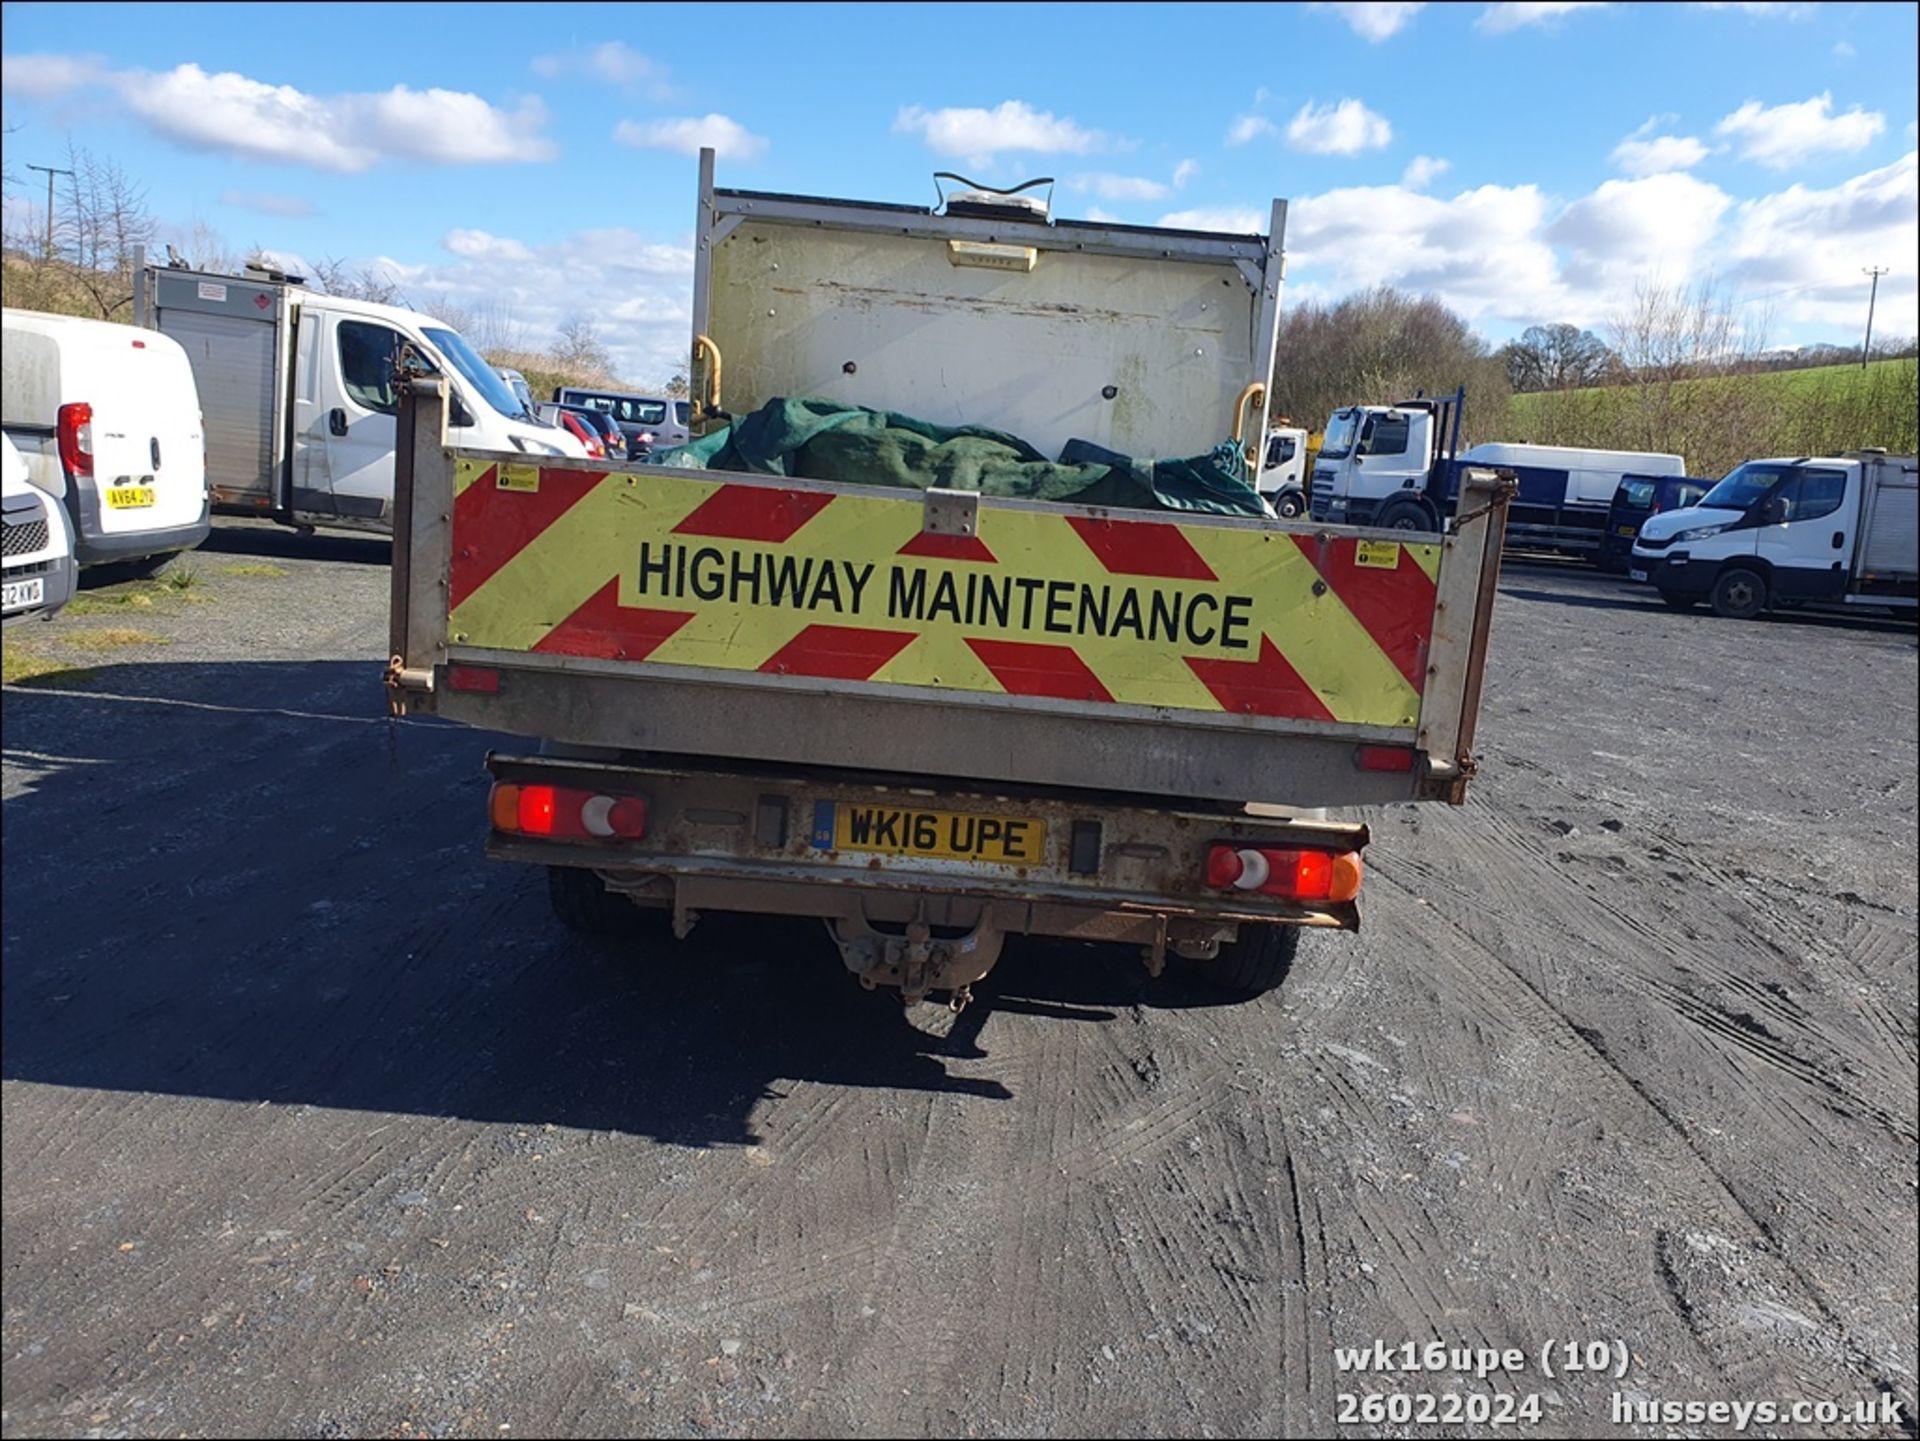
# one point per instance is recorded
(889, 707)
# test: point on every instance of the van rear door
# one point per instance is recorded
(234, 335)
(149, 465)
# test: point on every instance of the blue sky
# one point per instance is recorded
(1526, 162)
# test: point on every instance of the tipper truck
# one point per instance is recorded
(930, 716)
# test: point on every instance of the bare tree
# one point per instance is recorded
(580, 350)
(362, 282)
(1670, 336)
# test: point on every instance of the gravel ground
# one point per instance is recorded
(316, 1124)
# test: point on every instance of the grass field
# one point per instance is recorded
(1717, 423)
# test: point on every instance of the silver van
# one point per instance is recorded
(662, 419)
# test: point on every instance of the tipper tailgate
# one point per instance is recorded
(729, 607)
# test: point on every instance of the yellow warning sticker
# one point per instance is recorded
(519, 477)
(1380, 554)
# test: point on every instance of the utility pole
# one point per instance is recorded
(1866, 346)
(51, 172)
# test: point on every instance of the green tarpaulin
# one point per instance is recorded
(812, 439)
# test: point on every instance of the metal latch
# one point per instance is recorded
(402, 681)
(950, 512)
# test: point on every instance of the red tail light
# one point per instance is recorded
(567, 814)
(1384, 758)
(1295, 875)
(75, 430)
(478, 678)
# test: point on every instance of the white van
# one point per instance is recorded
(300, 396)
(38, 576)
(107, 417)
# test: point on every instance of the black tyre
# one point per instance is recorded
(1252, 965)
(584, 905)
(1679, 601)
(1289, 504)
(1404, 515)
(1739, 594)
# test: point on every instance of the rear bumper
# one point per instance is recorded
(1111, 870)
(94, 546)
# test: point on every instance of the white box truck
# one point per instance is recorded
(1792, 530)
(298, 391)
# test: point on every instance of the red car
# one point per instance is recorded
(582, 432)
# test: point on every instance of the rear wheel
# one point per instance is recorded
(584, 905)
(1739, 594)
(1404, 515)
(1252, 965)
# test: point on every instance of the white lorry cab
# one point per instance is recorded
(1399, 467)
(1791, 530)
(107, 419)
(1283, 471)
(299, 391)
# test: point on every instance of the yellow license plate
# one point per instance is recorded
(129, 497)
(945, 835)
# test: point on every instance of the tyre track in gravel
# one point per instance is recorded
(1737, 1351)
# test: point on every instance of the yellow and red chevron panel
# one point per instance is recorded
(845, 586)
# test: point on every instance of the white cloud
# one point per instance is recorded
(640, 291)
(1785, 135)
(1102, 217)
(1659, 225)
(1644, 153)
(1483, 252)
(1844, 52)
(612, 62)
(1121, 187)
(1183, 172)
(1250, 127)
(43, 77)
(1423, 170)
(1346, 128)
(287, 207)
(1502, 18)
(1230, 219)
(1775, 8)
(479, 245)
(232, 113)
(979, 135)
(1378, 20)
(687, 134)
(1799, 252)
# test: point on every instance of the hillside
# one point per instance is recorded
(1719, 422)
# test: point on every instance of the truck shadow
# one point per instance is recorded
(277, 542)
(240, 881)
